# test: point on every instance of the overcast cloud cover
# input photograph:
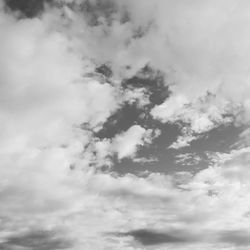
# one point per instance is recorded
(63, 74)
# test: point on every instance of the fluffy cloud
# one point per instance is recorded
(46, 96)
(44, 100)
(196, 57)
(123, 145)
(126, 144)
(49, 106)
(180, 211)
(196, 117)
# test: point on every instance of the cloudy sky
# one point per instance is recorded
(124, 125)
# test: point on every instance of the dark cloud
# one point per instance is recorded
(37, 240)
(28, 8)
(151, 237)
(236, 237)
(104, 70)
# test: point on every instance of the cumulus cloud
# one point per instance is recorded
(45, 98)
(189, 208)
(196, 117)
(183, 141)
(126, 143)
(196, 57)
(100, 152)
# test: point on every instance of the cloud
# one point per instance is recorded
(37, 241)
(196, 58)
(239, 238)
(195, 118)
(52, 102)
(145, 160)
(100, 152)
(148, 237)
(195, 205)
(126, 144)
(188, 159)
(46, 96)
(182, 141)
(27, 8)
(138, 96)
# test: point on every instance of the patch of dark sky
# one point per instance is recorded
(27, 8)
(130, 114)
(219, 139)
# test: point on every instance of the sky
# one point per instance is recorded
(124, 124)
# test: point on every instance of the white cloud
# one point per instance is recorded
(196, 117)
(126, 144)
(205, 56)
(195, 209)
(182, 141)
(169, 110)
(44, 99)
(145, 160)
(138, 96)
(188, 159)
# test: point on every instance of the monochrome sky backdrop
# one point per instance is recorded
(124, 124)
